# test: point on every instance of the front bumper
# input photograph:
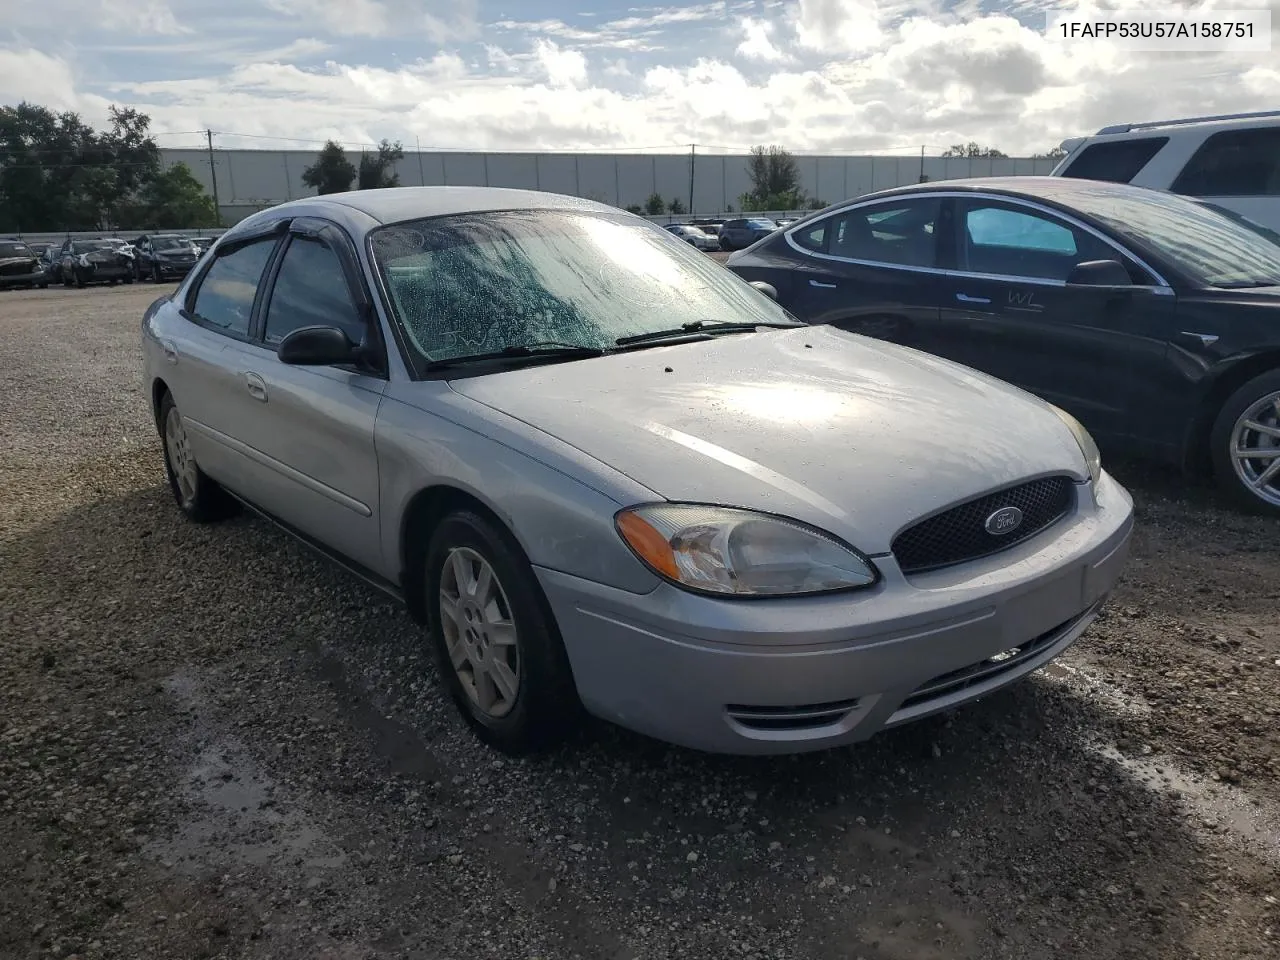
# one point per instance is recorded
(22, 279)
(782, 676)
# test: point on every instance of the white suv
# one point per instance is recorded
(1232, 161)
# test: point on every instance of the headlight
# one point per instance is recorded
(728, 551)
(1092, 458)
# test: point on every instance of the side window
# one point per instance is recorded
(225, 297)
(311, 290)
(1010, 242)
(812, 237)
(900, 234)
(1118, 161)
(1234, 163)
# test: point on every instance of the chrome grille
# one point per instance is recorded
(959, 534)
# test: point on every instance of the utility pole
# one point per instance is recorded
(923, 178)
(422, 176)
(213, 176)
(693, 159)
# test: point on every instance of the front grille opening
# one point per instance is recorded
(954, 681)
(791, 718)
(959, 534)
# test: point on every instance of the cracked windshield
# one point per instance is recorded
(477, 284)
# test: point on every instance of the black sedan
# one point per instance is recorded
(164, 256)
(94, 261)
(20, 266)
(1153, 318)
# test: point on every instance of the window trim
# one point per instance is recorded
(788, 233)
(1161, 286)
(1205, 145)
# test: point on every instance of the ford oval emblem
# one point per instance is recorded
(1003, 521)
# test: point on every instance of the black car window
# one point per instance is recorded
(226, 294)
(1234, 163)
(1118, 161)
(900, 233)
(311, 290)
(15, 250)
(1008, 241)
(812, 237)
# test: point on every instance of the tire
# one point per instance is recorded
(155, 274)
(1257, 402)
(197, 496)
(66, 281)
(541, 703)
(44, 286)
(79, 280)
(129, 278)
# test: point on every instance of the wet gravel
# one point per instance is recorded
(213, 744)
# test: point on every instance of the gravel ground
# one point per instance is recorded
(213, 744)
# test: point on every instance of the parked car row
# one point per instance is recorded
(79, 262)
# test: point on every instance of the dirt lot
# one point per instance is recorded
(214, 745)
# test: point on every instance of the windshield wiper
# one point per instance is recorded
(701, 326)
(522, 351)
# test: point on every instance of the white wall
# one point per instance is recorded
(249, 180)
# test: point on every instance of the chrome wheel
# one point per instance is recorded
(181, 462)
(1255, 449)
(479, 633)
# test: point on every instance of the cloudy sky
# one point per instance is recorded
(812, 75)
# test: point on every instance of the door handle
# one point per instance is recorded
(965, 298)
(824, 286)
(256, 386)
(170, 351)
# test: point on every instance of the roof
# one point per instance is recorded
(1061, 189)
(391, 204)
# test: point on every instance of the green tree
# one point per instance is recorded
(655, 204)
(971, 149)
(635, 208)
(775, 182)
(1055, 153)
(676, 207)
(378, 169)
(41, 154)
(332, 172)
(174, 200)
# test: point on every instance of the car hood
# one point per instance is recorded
(851, 434)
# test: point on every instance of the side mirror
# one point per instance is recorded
(317, 347)
(768, 289)
(1100, 273)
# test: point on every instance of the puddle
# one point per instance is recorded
(238, 814)
(1081, 679)
(1225, 809)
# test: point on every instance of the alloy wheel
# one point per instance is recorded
(181, 462)
(479, 632)
(1255, 449)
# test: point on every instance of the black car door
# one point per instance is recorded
(1008, 310)
(871, 269)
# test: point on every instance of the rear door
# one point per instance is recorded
(1007, 310)
(871, 269)
(311, 429)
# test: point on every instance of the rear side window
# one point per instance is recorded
(1234, 163)
(1117, 162)
(311, 291)
(901, 233)
(812, 237)
(226, 294)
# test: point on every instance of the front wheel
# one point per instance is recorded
(496, 642)
(1246, 445)
(198, 496)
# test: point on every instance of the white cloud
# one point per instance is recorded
(757, 42)
(147, 16)
(838, 26)
(437, 20)
(562, 68)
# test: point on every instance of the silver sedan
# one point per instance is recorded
(606, 473)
